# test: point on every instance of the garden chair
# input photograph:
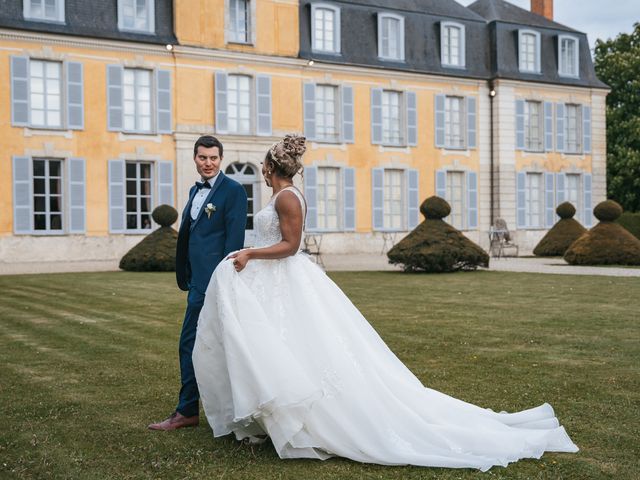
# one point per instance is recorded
(500, 239)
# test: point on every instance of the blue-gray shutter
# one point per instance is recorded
(559, 127)
(19, 91)
(588, 211)
(263, 102)
(560, 188)
(472, 200)
(311, 195)
(586, 128)
(549, 204)
(472, 113)
(117, 196)
(377, 192)
(22, 195)
(548, 126)
(521, 208)
(441, 184)
(75, 95)
(222, 112)
(349, 195)
(165, 183)
(520, 124)
(348, 131)
(376, 116)
(439, 120)
(412, 119)
(114, 97)
(163, 92)
(413, 202)
(77, 195)
(309, 100)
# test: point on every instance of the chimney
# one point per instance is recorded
(543, 7)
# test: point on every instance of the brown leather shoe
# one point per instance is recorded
(175, 421)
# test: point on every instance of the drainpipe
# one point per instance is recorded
(492, 94)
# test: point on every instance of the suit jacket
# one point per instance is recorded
(204, 242)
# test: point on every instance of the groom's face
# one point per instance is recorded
(207, 161)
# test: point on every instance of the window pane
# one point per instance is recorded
(40, 222)
(132, 222)
(38, 168)
(39, 186)
(132, 187)
(55, 204)
(54, 186)
(146, 221)
(39, 204)
(56, 222)
(132, 204)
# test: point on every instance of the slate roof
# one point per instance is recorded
(503, 11)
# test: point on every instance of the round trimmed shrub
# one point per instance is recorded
(165, 215)
(434, 246)
(566, 210)
(607, 211)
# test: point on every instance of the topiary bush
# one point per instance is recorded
(157, 251)
(608, 243)
(566, 231)
(434, 246)
(630, 221)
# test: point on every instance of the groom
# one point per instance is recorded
(212, 226)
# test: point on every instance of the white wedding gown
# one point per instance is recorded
(281, 350)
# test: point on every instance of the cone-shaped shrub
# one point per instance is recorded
(630, 221)
(608, 243)
(566, 231)
(435, 246)
(157, 251)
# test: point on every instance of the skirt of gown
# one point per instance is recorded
(281, 350)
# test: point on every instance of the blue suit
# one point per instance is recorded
(202, 244)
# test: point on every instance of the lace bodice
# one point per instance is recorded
(267, 223)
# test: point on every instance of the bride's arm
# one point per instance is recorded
(290, 216)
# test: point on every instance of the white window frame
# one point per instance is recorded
(527, 127)
(537, 53)
(27, 11)
(337, 105)
(463, 123)
(231, 32)
(449, 175)
(446, 62)
(403, 201)
(562, 70)
(400, 19)
(151, 18)
(336, 28)
(578, 204)
(152, 195)
(63, 99)
(152, 103)
(402, 124)
(47, 196)
(579, 135)
(528, 202)
(251, 93)
(339, 200)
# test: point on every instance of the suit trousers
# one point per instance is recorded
(188, 400)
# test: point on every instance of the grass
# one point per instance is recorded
(89, 359)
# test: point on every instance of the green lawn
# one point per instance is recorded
(87, 360)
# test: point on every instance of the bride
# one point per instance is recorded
(281, 351)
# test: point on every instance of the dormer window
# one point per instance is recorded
(136, 16)
(325, 28)
(452, 41)
(529, 51)
(568, 56)
(390, 37)
(44, 10)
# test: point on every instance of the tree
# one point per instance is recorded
(617, 63)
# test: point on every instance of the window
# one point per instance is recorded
(138, 195)
(45, 94)
(454, 122)
(533, 127)
(573, 128)
(452, 41)
(573, 193)
(455, 197)
(529, 51)
(390, 36)
(533, 199)
(136, 15)
(393, 218)
(325, 28)
(568, 56)
(239, 21)
(328, 198)
(326, 113)
(137, 100)
(239, 104)
(46, 10)
(47, 195)
(391, 122)
(247, 176)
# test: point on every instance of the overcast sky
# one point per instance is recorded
(596, 18)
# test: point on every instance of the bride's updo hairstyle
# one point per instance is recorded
(285, 156)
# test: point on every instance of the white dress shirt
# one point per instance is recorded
(201, 195)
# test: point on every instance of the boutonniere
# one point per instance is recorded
(209, 209)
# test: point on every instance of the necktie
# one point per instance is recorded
(202, 185)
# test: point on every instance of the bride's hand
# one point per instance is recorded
(240, 259)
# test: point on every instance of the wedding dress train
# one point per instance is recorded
(281, 350)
